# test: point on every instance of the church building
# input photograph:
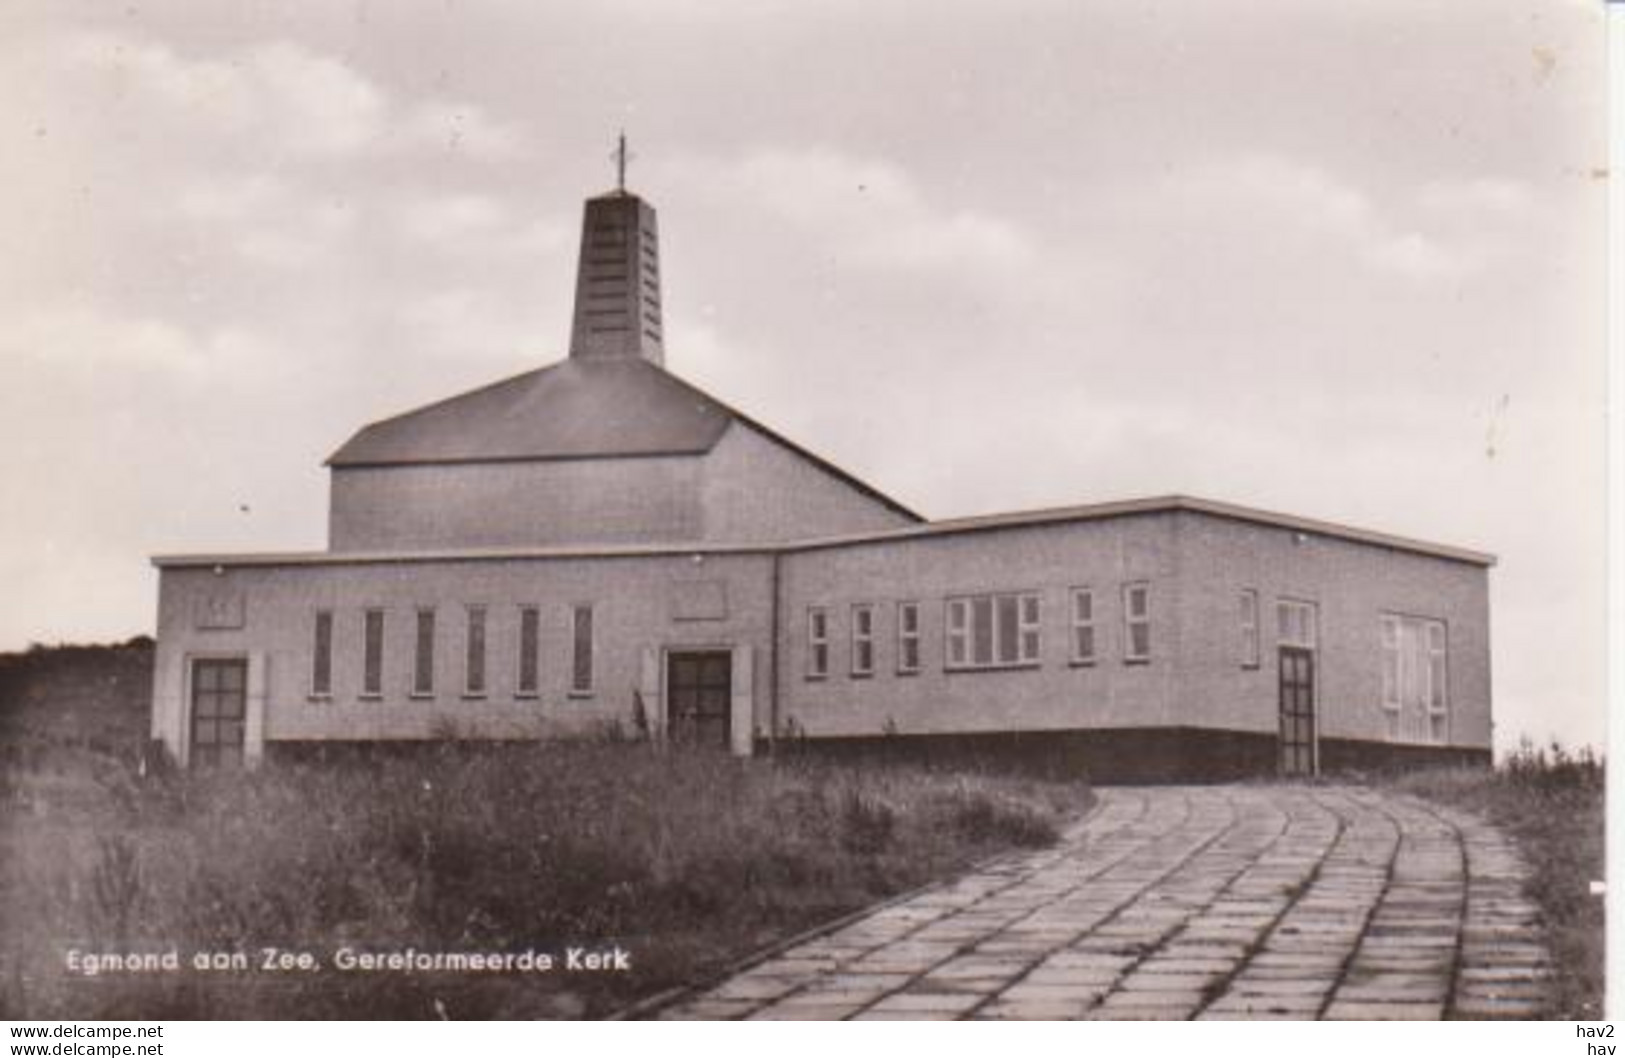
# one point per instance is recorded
(599, 546)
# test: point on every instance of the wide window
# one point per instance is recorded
(992, 631)
(581, 650)
(1083, 626)
(1415, 690)
(530, 623)
(908, 638)
(474, 667)
(817, 643)
(1249, 628)
(372, 654)
(423, 655)
(321, 666)
(1137, 622)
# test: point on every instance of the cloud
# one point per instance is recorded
(463, 323)
(1477, 197)
(459, 128)
(869, 211)
(287, 99)
(84, 339)
(1285, 199)
(267, 220)
(295, 99)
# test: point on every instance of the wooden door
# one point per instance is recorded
(1297, 666)
(699, 694)
(219, 711)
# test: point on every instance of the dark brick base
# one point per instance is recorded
(1111, 756)
(356, 752)
(1348, 755)
(1127, 755)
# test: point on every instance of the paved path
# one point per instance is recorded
(1190, 902)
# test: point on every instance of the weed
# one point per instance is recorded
(690, 858)
(1550, 801)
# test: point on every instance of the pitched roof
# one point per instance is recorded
(575, 409)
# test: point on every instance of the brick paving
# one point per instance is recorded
(1251, 902)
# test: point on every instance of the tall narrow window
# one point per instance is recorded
(1137, 622)
(1027, 649)
(1249, 628)
(1392, 664)
(530, 624)
(908, 638)
(581, 661)
(863, 640)
(474, 667)
(992, 631)
(957, 637)
(817, 643)
(1083, 626)
(423, 655)
(321, 665)
(372, 654)
(1437, 693)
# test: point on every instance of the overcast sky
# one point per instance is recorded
(1338, 259)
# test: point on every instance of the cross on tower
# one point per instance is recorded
(621, 156)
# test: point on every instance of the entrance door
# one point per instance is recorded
(699, 691)
(219, 711)
(1297, 711)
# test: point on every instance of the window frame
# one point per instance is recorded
(424, 633)
(583, 651)
(962, 634)
(910, 650)
(817, 643)
(1132, 620)
(1425, 670)
(476, 652)
(1251, 630)
(1078, 624)
(321, 659)
(862, 633)
(527, 677)
(373, 625)
(1305, 638)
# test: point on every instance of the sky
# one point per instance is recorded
(1339, 260)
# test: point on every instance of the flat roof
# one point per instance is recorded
(944, 527)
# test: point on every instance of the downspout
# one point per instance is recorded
(773, 661)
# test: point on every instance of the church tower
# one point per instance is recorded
(617, 310)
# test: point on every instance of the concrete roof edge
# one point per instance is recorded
(947, 527)
(1153, 505)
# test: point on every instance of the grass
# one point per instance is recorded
(1551, 803)
(686, 860)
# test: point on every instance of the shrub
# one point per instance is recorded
(983, 817)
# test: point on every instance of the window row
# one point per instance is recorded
(990, 630)
(1415, 663)
(525, 623)
(1294, 626)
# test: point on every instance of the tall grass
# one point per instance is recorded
(1550, 800)
(686, 859)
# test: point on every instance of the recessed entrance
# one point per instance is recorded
(219, 711)
(699, 694)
